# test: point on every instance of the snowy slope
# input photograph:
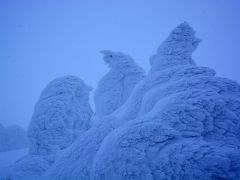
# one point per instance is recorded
(9, 157)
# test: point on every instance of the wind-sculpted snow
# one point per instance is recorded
(176, 50)
(116, 86)
(61, 114)
(187, 127)
(30, 167)
(180, 122)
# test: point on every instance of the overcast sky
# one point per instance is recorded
(44, 39)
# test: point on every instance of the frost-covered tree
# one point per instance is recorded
(187, 124)
(176, 50)
(61, 114)
(116, 86)
(180, 122)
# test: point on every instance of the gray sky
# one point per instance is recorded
(45, 39)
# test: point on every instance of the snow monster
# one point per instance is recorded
(61, 115)
(116, 86)
(180, 122)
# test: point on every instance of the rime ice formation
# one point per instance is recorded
(30, 167)
(12, 138)
(61, 114)
(176, 50)
(116, 86)
(180, 122)
(187, 125)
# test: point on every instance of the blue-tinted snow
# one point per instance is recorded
(179, 122)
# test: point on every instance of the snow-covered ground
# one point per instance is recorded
(9, 157)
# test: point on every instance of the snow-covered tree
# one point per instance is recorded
(180, 122)
(116, 86)
(187, 125)
(177, 49)
(61, 114)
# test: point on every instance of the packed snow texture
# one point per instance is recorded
(61, 114)
(179, 122)
(116, 86)
(30, 167)
(12, 138)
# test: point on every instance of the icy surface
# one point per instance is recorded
(116, 86)
(180, 122)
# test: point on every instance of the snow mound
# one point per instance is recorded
(61, 114)
(177, 49)
(9, 157)
(30, 167)
(180, 122)
(116, 86)
(187, 126)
